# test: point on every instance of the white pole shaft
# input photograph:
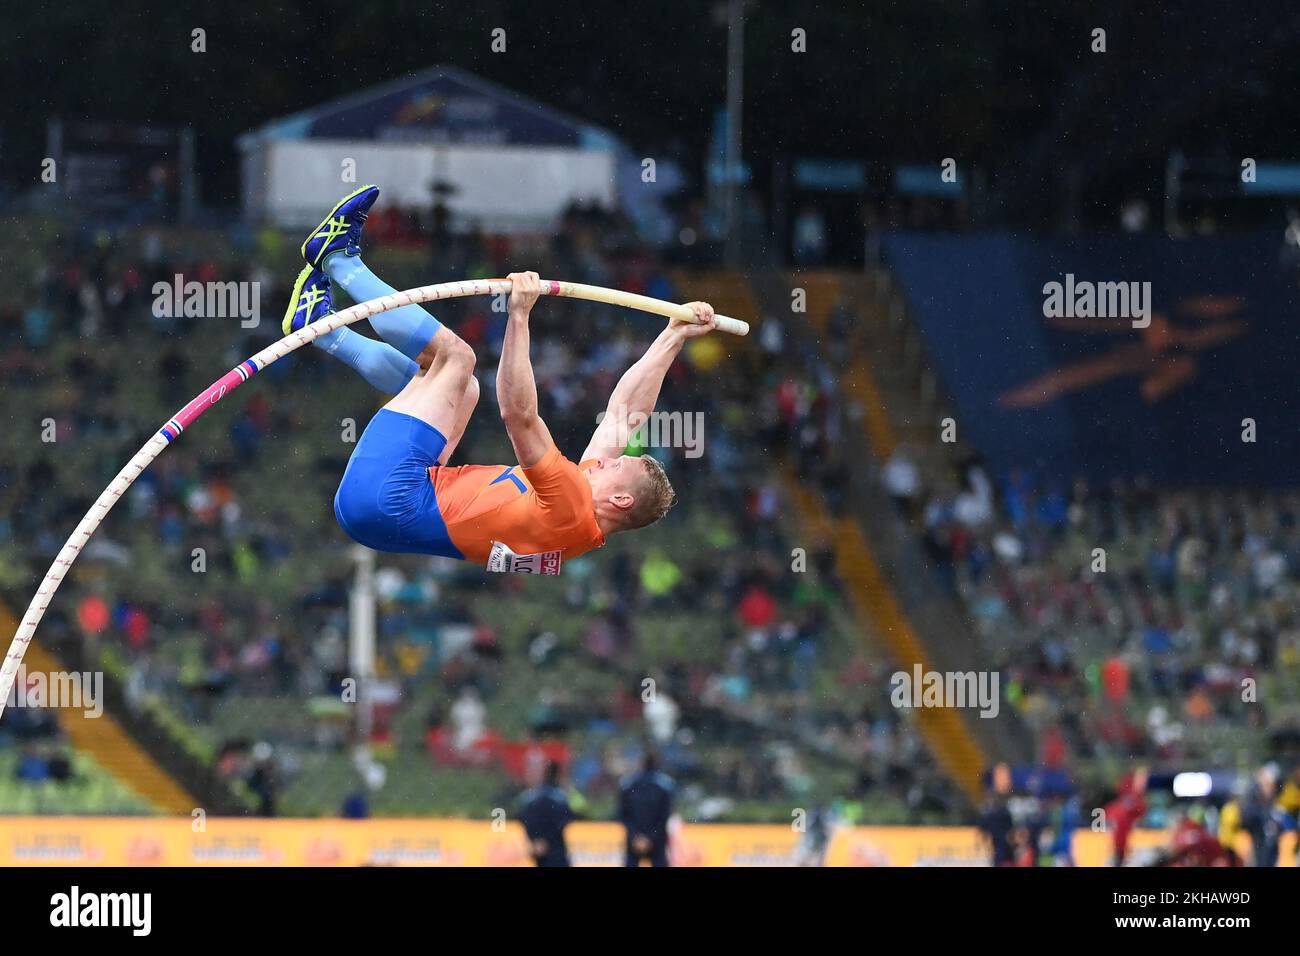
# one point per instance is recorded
(644, 303)
(241, 373)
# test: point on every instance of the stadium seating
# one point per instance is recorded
(764, 698)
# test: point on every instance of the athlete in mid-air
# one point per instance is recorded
(398, 493)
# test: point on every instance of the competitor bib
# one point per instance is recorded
(502, 559)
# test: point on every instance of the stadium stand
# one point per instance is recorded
(765, 697)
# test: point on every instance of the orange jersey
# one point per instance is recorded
(547, 507)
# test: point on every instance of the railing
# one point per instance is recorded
(194, 774)
(930, 606)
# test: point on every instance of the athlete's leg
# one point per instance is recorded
(386, 500)
(378, 362)
(335, 247)
(409, 329)
(436, 396)
(468, 402)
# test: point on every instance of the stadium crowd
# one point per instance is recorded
(221, 585)
(1132, 625)
(760, 693)
(1128, 618)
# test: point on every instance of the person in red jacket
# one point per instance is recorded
(1124, 812)
(1194, 845)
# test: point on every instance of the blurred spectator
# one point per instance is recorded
(661, 717)
(545, 812)
(996, 822)
(469, 718)
(645, 803)
(809, 237)
(1124, 812)
(32, 768)
(902, 480)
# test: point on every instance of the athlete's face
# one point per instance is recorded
(615, 479)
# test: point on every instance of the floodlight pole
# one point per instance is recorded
(361, 641)
(735, 108)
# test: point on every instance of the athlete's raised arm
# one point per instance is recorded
(637, 392)
(516, 389)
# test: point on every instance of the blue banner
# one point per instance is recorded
(1115, 357)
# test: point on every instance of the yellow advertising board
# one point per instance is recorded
(957, 846)
(149, 841)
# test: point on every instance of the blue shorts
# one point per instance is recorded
(386, 499)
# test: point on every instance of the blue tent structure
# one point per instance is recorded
(440, 105)
(510, 162)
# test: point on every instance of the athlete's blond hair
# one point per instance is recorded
(654, 495)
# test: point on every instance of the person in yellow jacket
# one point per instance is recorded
(1289, 798)
(1230, 822)
(1288, 802)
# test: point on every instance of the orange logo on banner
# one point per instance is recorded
(1164, 357)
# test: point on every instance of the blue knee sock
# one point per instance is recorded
(379, 363)
(407, 329)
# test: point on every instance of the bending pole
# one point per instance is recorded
(244, 371)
